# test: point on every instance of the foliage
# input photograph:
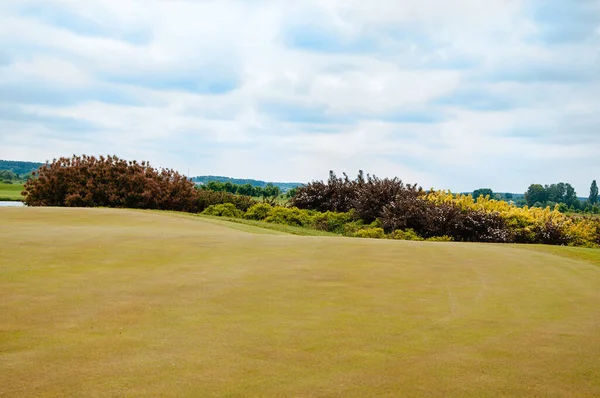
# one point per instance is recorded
(289, 216)
(18, 168)
(407, 234)
(206, 198)
(375, 233)
(528, 225)
(86, 181)
(443, 238)
(332, 221)
(593, 198)
(443, 215)
(223, 210)
(259, 211)
(538, 195)
(7, 176)
(291, 193)
(483, 192)
(283, 186)
(367, 196)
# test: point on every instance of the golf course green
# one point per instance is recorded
(116, 303)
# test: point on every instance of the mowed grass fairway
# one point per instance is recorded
(100, 303)
(11, 191)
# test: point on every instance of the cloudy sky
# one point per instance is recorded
(449, 94)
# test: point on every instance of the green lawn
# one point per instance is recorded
(11, 191)
(101, 302)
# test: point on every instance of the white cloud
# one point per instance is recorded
(289, 90)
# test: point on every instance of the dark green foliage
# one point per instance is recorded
(291, 193)
(332, 221)
(8, 176)
(207, 198)
(550, 195)
(536, 194)
(593, 198)
(283, 186)
(21, 169)
(268, 191)
(483, 192)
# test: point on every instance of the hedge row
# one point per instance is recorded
(432, 215)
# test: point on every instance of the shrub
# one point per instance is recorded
(351, 228)
(375, 233)
(206, 198)
(408, 234)
(110, 182)
(332, 221)
(367, 196)
(289, 216)
(443, 238)
(259, 211)
(223, 210)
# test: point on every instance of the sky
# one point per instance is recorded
(452, 95)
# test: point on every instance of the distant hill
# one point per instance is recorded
(18, 167)
(284, 186)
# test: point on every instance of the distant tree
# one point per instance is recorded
(8, 175)
(508, 196)
(571, 196)
(556, 192)
(593, 193)
(483, 191)
(536, 195)
(271, 191)
(246, 189)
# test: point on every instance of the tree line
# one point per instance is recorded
(563, 195)
(13, 171)
(366, 206)
(283, 186)
(268, 191)
(394, 206)
(560, 194)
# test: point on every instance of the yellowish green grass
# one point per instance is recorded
(100, 302)
(11, 191)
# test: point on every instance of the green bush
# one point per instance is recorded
(351, 228)
(443, 238)
(375, 233)
(258, 212)
(223, 210)
(289, 216)
(408, 234)
(332, 221)
(206, 198)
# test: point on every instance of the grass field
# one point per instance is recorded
(11, 191)
(100, 302)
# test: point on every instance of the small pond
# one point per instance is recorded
(10, 204)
